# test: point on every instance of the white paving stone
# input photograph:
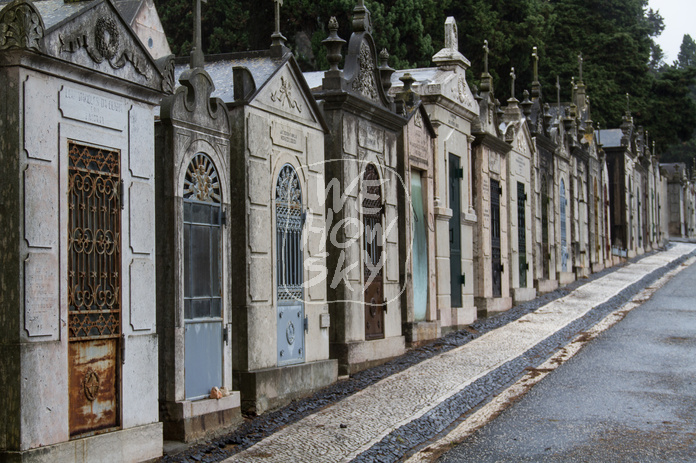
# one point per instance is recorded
(387, 405)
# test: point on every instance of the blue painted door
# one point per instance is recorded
(419, 250)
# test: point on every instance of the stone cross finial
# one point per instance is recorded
(278, 40)
(451, 34)
(513, 76)
(580, 65)
(558, 92)
(197, 60)
(485, 56)
(535, 56)
(628, 103)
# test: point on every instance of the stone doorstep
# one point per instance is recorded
(192, 420)
(565, 278)
(270, 388)
(523, 295)
(359, 355)
(491, 305)
(419, 332)
(191, 408)
(141, 443)
(463, 316)
(545, 286)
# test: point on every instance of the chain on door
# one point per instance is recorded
(496, 264)
(94, 288)
(373, 261)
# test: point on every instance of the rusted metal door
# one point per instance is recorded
(496, 264)
(94, 289)
(522, 234)
(289, 267)
(373, 259)
(455, 230)
(203, 308)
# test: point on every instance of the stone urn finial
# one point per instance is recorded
(333, 44)
(385, 72)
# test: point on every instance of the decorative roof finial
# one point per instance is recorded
(333, 44)
(536, 86)
(197, 60)
(558, 93)
(580, 65)
(485, 56)
(513, 76)
(628, 104)
(278, 39)
(362, 20)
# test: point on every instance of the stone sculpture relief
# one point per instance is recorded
(364, 82)
(284, 95)
(21, 26)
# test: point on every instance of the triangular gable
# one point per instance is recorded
(523, 139)
(98, 38)
(457, 89)
(286, 92)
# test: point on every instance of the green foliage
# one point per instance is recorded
(687, 53)
(614, 36)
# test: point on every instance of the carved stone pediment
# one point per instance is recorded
(192, 103)
(284, 93)
(99, 39)
(362, 69)
(21, 26)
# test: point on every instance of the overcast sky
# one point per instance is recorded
(680, 19)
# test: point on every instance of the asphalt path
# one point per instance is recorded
(628, 396)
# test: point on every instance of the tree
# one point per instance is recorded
(687, 53)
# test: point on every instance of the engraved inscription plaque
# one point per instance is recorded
(93, 109)
(283, 135)
(370, 137)
(41, 298)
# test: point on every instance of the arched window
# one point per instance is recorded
(203, 314)
(288, 200)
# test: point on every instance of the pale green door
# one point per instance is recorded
(419, 251)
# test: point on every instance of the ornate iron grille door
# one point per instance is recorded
(455, 231)
(94, 288)
(373, 263)
(564, 240)
(203, 308)
(289, 267)
(496, 264)
(522, 233)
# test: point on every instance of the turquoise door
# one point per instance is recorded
(419, 251)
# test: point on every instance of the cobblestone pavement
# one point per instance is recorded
(427, 397)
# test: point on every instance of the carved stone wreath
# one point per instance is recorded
(364, 82)
(106, 37)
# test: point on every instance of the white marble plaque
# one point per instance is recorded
(41, 205)
(284, 135)
(141, 134)
(370, 137)
(142, 217)
(40, 124)
(41, 297)
(350, 145)
(259, 140)
(93, 109)
(142, 295)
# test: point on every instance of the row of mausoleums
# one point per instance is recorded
(181, 243)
